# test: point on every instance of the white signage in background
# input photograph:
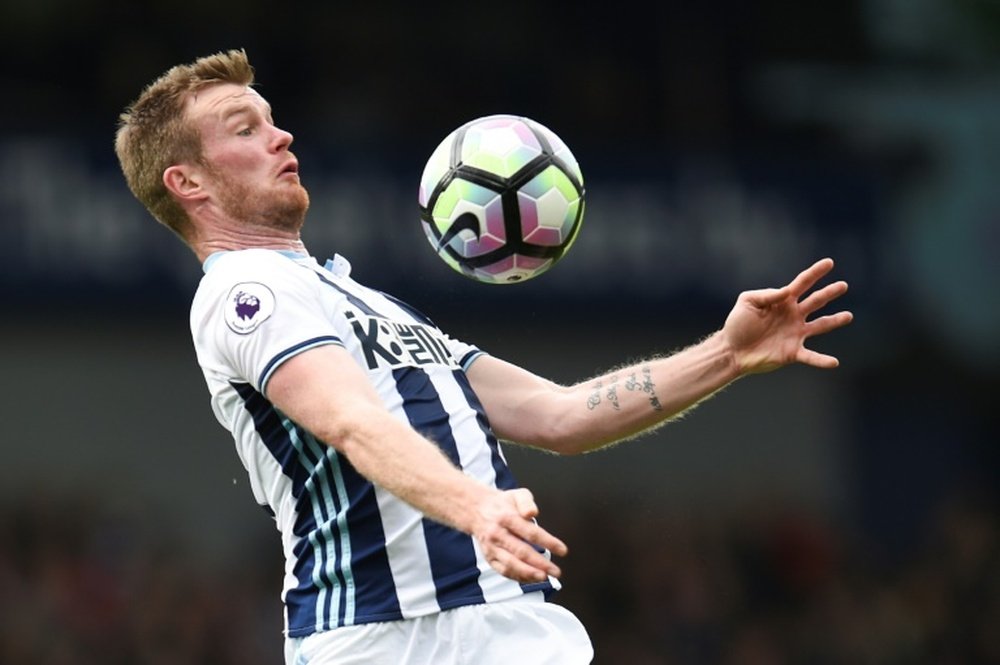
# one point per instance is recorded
(66, 224)
(698, 229)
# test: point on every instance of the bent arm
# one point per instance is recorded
(324, 391)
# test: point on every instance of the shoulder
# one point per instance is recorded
(248, 279)
(275, 269)
(250, 263)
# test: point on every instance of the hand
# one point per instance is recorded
(768, 328)
(506, 532)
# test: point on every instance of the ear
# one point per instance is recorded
(185, 182)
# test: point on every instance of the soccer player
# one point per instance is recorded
(369, 434)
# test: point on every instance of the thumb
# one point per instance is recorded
(524, 501)
(766, 297)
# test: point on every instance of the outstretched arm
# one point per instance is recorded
(766, 329)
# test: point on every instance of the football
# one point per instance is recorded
(501, 199)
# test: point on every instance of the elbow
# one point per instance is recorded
(549, 420)
(562, 436)
(348, 436)
(570, 449)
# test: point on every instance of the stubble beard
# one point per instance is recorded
(282, 210)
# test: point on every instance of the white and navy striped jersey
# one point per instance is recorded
(354, 553)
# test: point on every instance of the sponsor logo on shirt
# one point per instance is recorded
(388, 343)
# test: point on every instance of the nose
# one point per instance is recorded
(281, 139)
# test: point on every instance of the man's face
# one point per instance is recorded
(252, 175)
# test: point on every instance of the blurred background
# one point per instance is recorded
(798, 517)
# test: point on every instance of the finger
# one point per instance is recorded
(821, 298)
(825, 324)
(530, 532)
(509, 565)
(808, 277)
(522, 549)
(816, 359)
(532, 557)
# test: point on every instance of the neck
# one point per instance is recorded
(220, 237)
(271, 239)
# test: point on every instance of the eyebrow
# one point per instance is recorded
(244, 108)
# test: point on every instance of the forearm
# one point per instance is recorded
(348, 416)
(398, 459)
(634, 399)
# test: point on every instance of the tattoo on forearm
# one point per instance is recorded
(633, 383)
(595, 397)
(646, 386)
(613, 396)
(649, 389)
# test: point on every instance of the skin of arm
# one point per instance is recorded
(347, 414)
(766, 329)
(531, 410)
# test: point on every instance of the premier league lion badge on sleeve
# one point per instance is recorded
(248, 305)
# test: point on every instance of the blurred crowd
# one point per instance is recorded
(82, 585)
(782, 587)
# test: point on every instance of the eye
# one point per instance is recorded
(246, 131)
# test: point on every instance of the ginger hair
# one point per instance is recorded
(154, 132)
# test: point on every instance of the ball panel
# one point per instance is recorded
(502, 145)
(560, 150)
(435, 170)
(514, 268)
(549, 204)
(543, 218)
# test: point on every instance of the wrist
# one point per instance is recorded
(718, 345)
(468, 505)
